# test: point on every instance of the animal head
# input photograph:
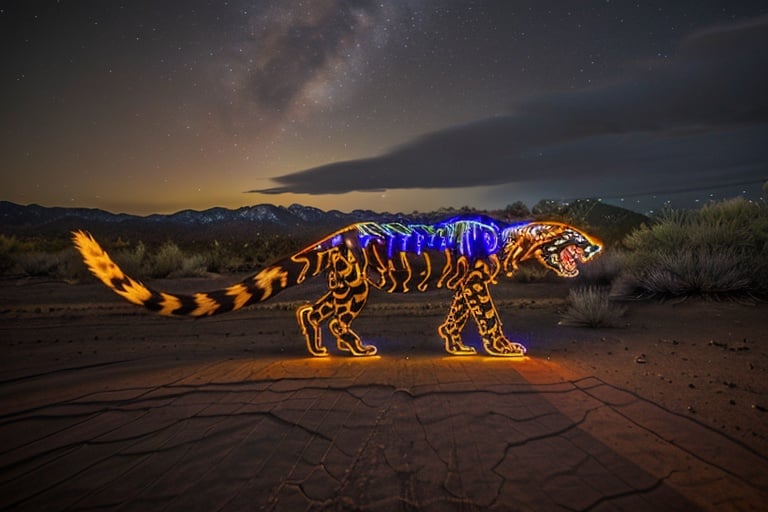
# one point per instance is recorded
(557, 246)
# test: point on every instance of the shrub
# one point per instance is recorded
(39, 258)
(719, 250)
(591, 306)
(517, 210)
(7, 247)
(689, 272)
(602, 270)
(37, 263)
(167, 260)
(221, 258)
(194, 265)
(132, 261)
(70, 266)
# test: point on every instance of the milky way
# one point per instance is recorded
(395, 105)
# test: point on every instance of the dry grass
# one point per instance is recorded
(591, 306)
(718, 251)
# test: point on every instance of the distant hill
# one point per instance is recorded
(265, 219)
(248, 222)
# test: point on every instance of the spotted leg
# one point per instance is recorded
(349, 293)
(310, 316)
(450, 330)
(343, 302)
(483, 310)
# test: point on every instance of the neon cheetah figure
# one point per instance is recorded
(463, 254)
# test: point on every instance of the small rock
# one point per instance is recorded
(641, 359)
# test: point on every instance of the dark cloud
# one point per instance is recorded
(701, 115)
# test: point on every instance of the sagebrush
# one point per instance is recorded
(720, 250)
(591, 306)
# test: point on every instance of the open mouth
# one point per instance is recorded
(570, 256)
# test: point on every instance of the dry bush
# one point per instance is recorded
(7, 248)
(132, 261)
(688, 272)
(70, 266)
(603, 269)
(717, 251)
(222, 258)
(591, 306)
(37, 263)
(193, 265)
(167, 260)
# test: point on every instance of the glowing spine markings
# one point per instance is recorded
(464, 255)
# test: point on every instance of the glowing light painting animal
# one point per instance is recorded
(464, 255)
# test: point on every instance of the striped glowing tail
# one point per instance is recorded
(256, 288)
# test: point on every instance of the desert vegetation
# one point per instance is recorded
(591, 306)
(41, 258)
(717, 251)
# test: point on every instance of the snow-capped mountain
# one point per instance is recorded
(33, 219)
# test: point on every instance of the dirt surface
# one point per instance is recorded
(105, 406)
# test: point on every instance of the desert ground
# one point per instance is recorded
(104, 406)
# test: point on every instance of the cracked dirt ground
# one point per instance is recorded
(107, 408)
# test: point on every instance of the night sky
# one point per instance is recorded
(148, 106)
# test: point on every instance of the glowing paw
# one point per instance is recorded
(311, 332)
(453, 343)
(502, 347)
(356, 348)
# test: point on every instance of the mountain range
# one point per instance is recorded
(256, 220)
(247, 222)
